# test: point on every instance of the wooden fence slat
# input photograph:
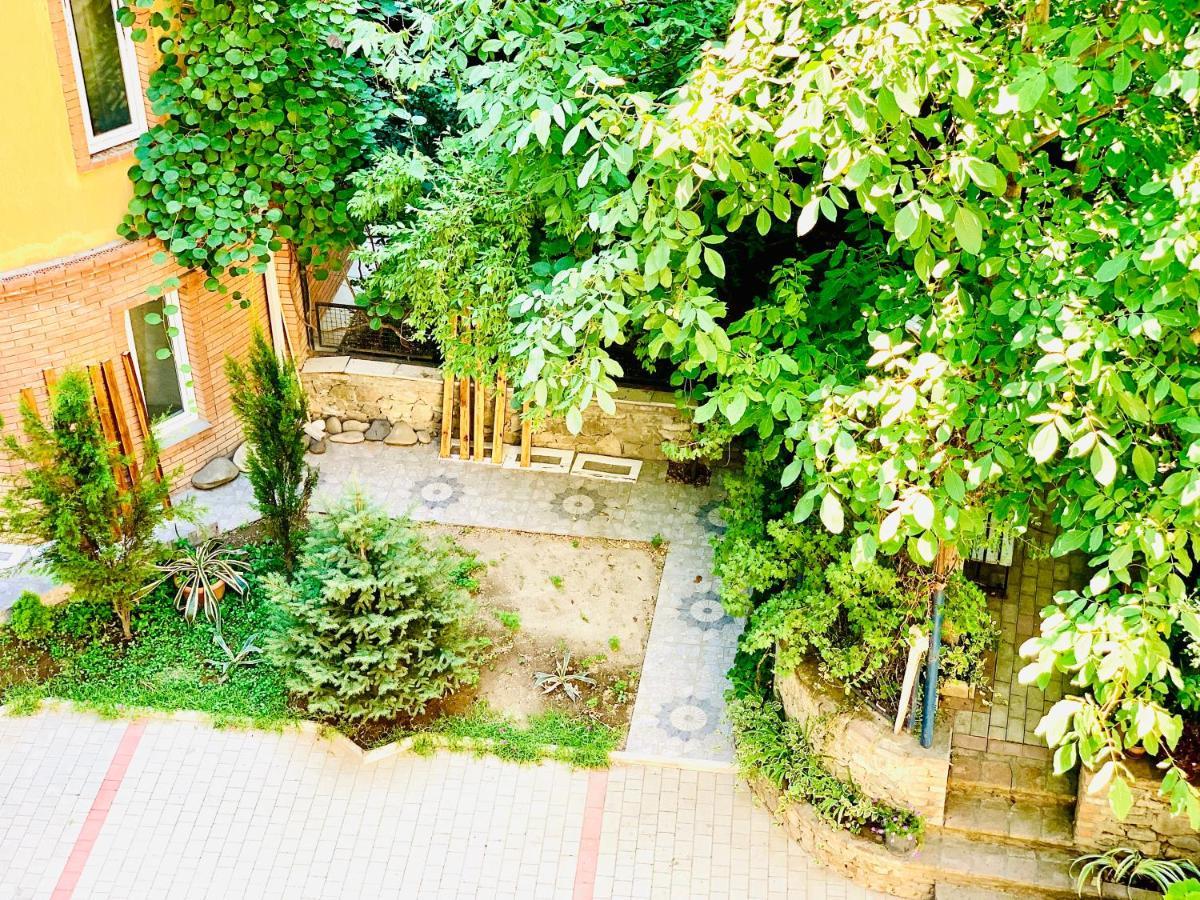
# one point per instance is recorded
(50, 377)
(29, 399)
(480, 409)
(448, 400)
(501, 411)
(124, 437)
(135, 388)
(526, 436)
(104, 411)
(464, 418)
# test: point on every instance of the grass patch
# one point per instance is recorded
(574, 740)
(165, 668)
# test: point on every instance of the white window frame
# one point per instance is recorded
(183, 423)
(98, 143)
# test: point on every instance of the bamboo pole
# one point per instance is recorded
(526, 436)
(135, 388)
(498, 416)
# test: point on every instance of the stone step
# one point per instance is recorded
(997, 870)
(946, 891)
(977, 774)
(1002, 820)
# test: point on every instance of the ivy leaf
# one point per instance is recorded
(832, 516)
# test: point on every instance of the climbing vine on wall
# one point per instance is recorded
(266, 117)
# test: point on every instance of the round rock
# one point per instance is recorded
(317, 447)
(333, 425)
(424, 437)
(354, 425)
(380, 428)
(240, 456)
(402, 435)
(215, 473)
(347, 437)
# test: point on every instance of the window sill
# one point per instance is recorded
(171, 433)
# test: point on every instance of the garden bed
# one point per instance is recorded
(543, 596)
(538, 598)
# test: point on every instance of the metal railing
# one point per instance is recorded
(347, 331)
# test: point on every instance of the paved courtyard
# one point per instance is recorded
(679, 711)
(92, 808)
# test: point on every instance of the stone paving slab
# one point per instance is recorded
(203, 813)
(679, 709)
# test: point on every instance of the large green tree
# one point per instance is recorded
(987, 300)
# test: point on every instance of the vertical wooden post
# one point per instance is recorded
(139, 410)
(104, 411)
(447, 400)
(526, 436)
(28, 399)
(124, 437)
(501, 411)
(464, 418)
(50, 377)
(480, 410)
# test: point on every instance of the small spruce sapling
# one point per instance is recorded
(269, 401)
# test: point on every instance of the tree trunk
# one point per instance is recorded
(125, 616)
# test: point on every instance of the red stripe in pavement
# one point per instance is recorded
(98, 813)
(589, 837)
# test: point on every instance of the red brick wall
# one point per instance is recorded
(72, 313)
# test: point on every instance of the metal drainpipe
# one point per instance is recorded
(929, 710)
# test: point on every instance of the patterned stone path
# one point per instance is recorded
(100, 809)
(679, 711)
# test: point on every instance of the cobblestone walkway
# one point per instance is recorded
(99, 809)
(679, 711)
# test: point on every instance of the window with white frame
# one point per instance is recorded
(106, 73)
(160, 354)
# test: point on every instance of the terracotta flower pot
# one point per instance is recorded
(218, 593)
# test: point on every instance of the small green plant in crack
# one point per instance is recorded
(563, 679)
(657, 541)
(557, 581)
(509, 619)
(614, 644)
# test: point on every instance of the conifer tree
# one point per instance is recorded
(269, 401)
(99, 531)
(377, 621)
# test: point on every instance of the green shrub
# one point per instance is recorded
(377, 623)
(79, 620)
(100, 532)
(269, 401)
(781, 751)
(30, 619)
(801, 590)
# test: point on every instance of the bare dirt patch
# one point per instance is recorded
(543, 596)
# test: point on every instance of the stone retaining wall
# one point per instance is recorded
(1149, 827)
(860, 859)
(857, 743)
(369, 389)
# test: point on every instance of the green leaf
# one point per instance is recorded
(1031, 91)
(1144, 464)
(987, 176)
(1103, 464)
(1112, 268)
(832, 516)
(736, 408)
(1044, 443)
(574, 420)
(761, 157)
(968, 230)
(1120, 798)
(907, 220)
(715, 264)
(955, 488)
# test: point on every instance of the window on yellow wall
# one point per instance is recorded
(106, 73)
(160, 354)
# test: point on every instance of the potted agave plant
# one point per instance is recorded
(202, 572)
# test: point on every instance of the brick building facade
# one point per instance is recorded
(72, 293)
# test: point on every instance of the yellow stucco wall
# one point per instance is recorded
(48, 208)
